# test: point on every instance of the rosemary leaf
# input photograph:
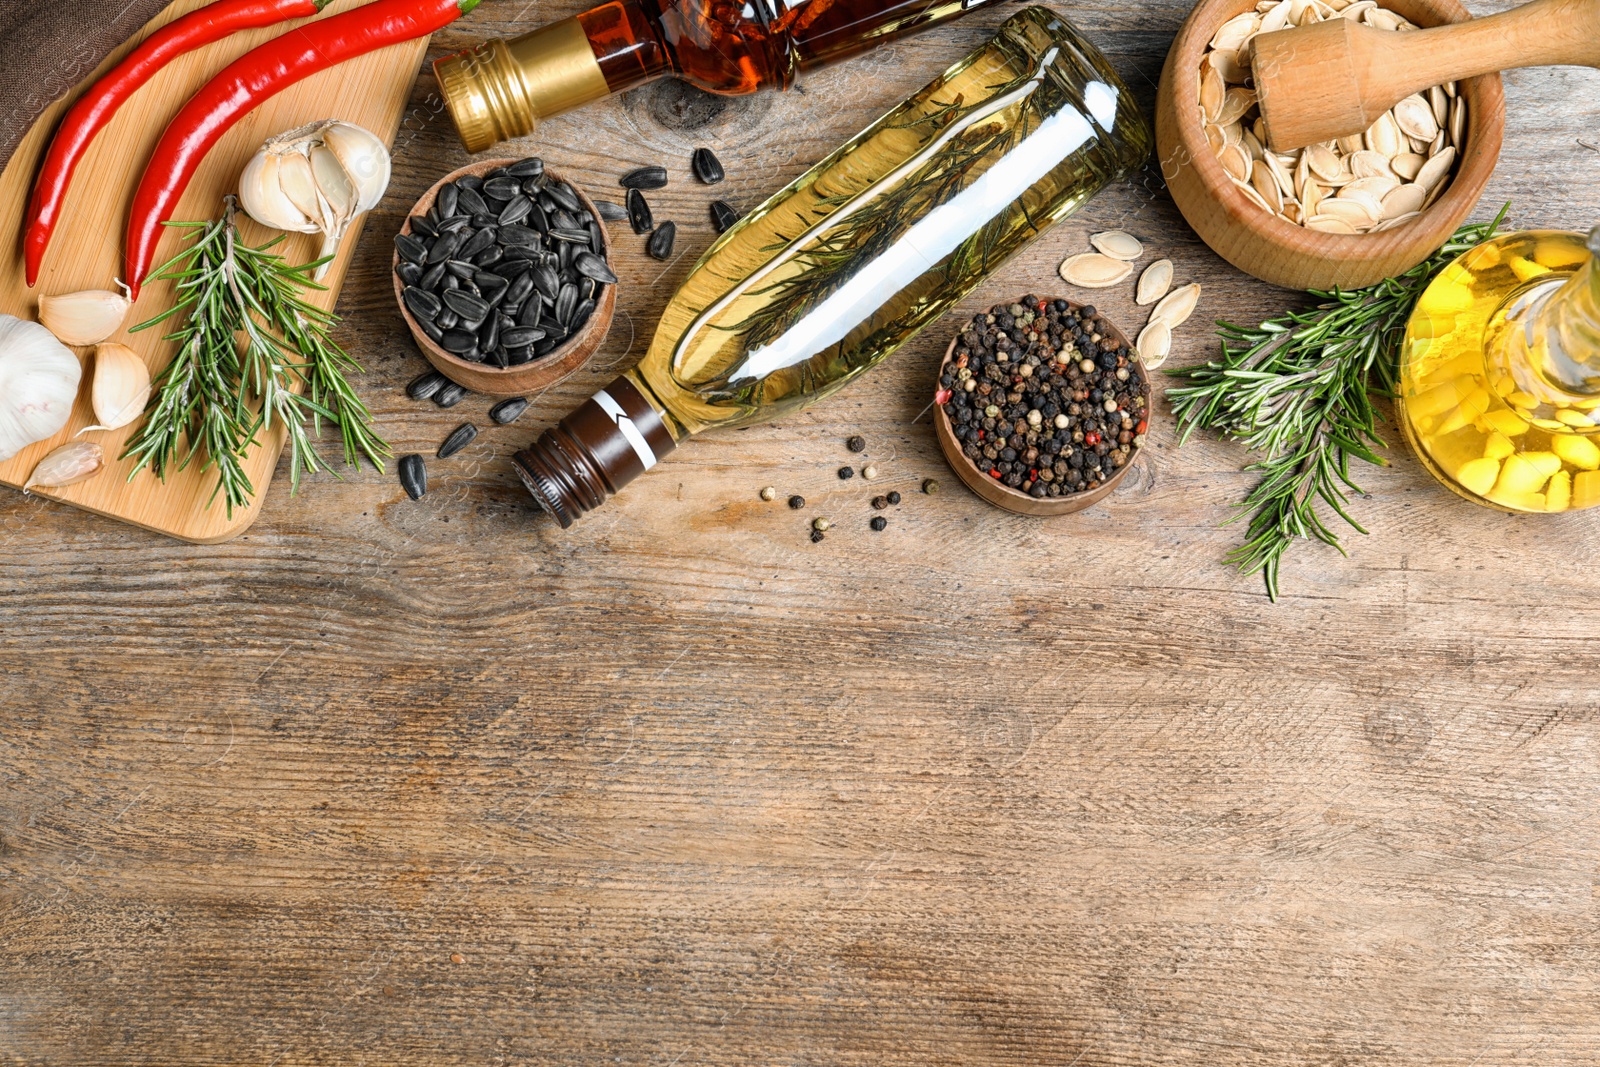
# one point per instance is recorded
(252, 355)
(1299, 389)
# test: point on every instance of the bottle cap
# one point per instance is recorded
(502, 89)
(577, 464)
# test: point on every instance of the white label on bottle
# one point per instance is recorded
(625, 424)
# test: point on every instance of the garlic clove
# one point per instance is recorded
(333, 183)
(84, 318)
(300, 186)
(38, 384)
(121, 386)
(365, 159)
(262, 196)
(71, 463)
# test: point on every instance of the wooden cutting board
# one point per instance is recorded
(87, 250)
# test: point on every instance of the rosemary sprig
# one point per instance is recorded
(252, 353)
(1299, 388)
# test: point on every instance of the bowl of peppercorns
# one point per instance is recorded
(1041, 406)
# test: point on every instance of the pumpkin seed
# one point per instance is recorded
(459, 438)
(1117, 245)
(1154, 282)
(1093, 270)
(1154, 345)
(413, 476)
(1403, 200)
(1433, 171)
(1414, 116)
(1176, 307)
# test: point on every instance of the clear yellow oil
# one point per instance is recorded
(853, 258)
(1501, 419)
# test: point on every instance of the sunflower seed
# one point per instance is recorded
(660, 244)
(502, 188)
(469, 181)
(423, 304)
(581, 313)
(455, 223)
(1154, 344)
(1154, 282)
(562, 194)
(516, 210)
(639, 212)
(471, 202)
(566, 304)
(424, 386)
(508, 411)
(723, 215)
(531, 312)
(466, 305)
(592, 266)
(457, 342)
(411, 249)
(413, 476)
(1092, 270)
(611, 212)
(517, 290)
(521, 337)
(706, 167)
(450, 395)
(421, 224)
(532, 167)
(433, 330)
(546, 281)
(447, 320)
(489, 334)
(410, 273)
(644, 178)
(1117, 245)
(459, 438)
(579, 237)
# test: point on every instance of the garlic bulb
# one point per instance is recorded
(121, 387)
(38, 383)
(72, 462)
(317, 178)
(87, 317)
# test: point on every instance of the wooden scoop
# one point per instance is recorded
(1335, 78)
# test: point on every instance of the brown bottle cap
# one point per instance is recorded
(577, 464)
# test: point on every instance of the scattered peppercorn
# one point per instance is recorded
(879, 522)
(856, 443)
(768, 492)
(1049, 415)
(894, 497)
(869, 472)
(880, 502)
(797, 502)
(820, 524)
(930, 486)
(817, 536)
(846, 473)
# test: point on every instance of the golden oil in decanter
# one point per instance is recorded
(1500, 373)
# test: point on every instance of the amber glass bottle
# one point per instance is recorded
(501, 89)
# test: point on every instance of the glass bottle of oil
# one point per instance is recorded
(1500, 373)
(853, 258)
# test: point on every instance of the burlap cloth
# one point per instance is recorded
(47, 48)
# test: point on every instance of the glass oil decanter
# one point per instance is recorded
(853, 258)
(1500, 373)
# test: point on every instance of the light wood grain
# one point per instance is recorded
(86, 252)
(680, 788)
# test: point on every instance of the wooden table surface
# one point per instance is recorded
(385, 782)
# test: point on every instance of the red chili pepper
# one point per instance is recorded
(91, 114)
(254, 77)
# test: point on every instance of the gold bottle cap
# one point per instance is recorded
(502, 89)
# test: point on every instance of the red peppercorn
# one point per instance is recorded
(993, 473)
(1143, 423)
(942, 396)
(1091, 438)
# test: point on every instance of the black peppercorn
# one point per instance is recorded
(846, 473)
(797, 502)
(880, 502)
(856, 443)
(817, 535)
(879, 522)
(894, 498)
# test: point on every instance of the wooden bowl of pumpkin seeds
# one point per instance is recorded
(502, 272)
(1346, 213)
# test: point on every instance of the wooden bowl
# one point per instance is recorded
(1278, 251)
(1014, 500)
(525, 378)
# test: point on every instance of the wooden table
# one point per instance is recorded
(433, 783)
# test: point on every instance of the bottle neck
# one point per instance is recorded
(1563, 331)
(579, 463)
